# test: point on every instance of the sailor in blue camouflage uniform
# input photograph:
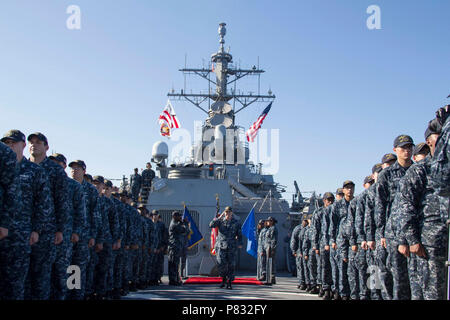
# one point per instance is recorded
(296, 249)
(440, 167)
(114, 227)
(305, 245)
(270, 247)
(143, 250)
(333, 247)
(312, 258)
(127, 243)
(72, 231)
(316, 244)
(379, 278)
(339, 236)
(10, 206)
(177, 231)
(81, 249)
(354, 251)
(104, 243)
(374, 285)
(421, 150)
(43, 254)
(157, 246)
(229, 239)
(164, 247)
(95, 244)
(29, 185)
(150, 248)
(135, 184)
(324, 243)
(119, 262)
(397, 247)
(133, 236)
(137, 240)
(421, 216)
(361, 240)
(261, 260)
(316, 224)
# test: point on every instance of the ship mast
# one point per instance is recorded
(220, 111)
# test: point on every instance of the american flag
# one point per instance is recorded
(168, 120)
(253, 130)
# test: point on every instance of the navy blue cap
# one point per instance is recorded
(403, 140)
(108, 183)
(433, 128)
(38, 135)
(421, 148)
(78, 162)
(388, 157)
(347, 182)
(98, 179)
(368, 179)
(377, 168)
(58, 157)
(15, 135)
(328, 195)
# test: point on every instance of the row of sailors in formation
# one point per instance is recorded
(54, 228)
(390, 241)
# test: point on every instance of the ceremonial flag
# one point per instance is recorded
(249, 230)
(168, 120)
(194, 236)
(253, 130)
(214, 233)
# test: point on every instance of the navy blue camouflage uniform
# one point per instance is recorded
(338, 235)
(376, 257)
(362, 255)
(177, 231)
(228, 239)
(440, 167)
(422, 214)
(81, 255)
(114, 227)
(353, 256)
(261, 260)
(396, 264)
(43, 253)
(305, 246)
(31, 187)
(9, 207)
(326, 270)
(296, 248)
(135, 185)
(75, 224)
(270, 247)
(119, 262)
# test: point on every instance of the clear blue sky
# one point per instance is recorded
(344, 92)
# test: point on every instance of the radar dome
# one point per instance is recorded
(160, 151)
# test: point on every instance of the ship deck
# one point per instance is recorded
(284, 289)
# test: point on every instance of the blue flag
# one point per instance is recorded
(194, 236)
(249, 230)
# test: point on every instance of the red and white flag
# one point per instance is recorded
(253, 130)
(214, 233)
(168, 120)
